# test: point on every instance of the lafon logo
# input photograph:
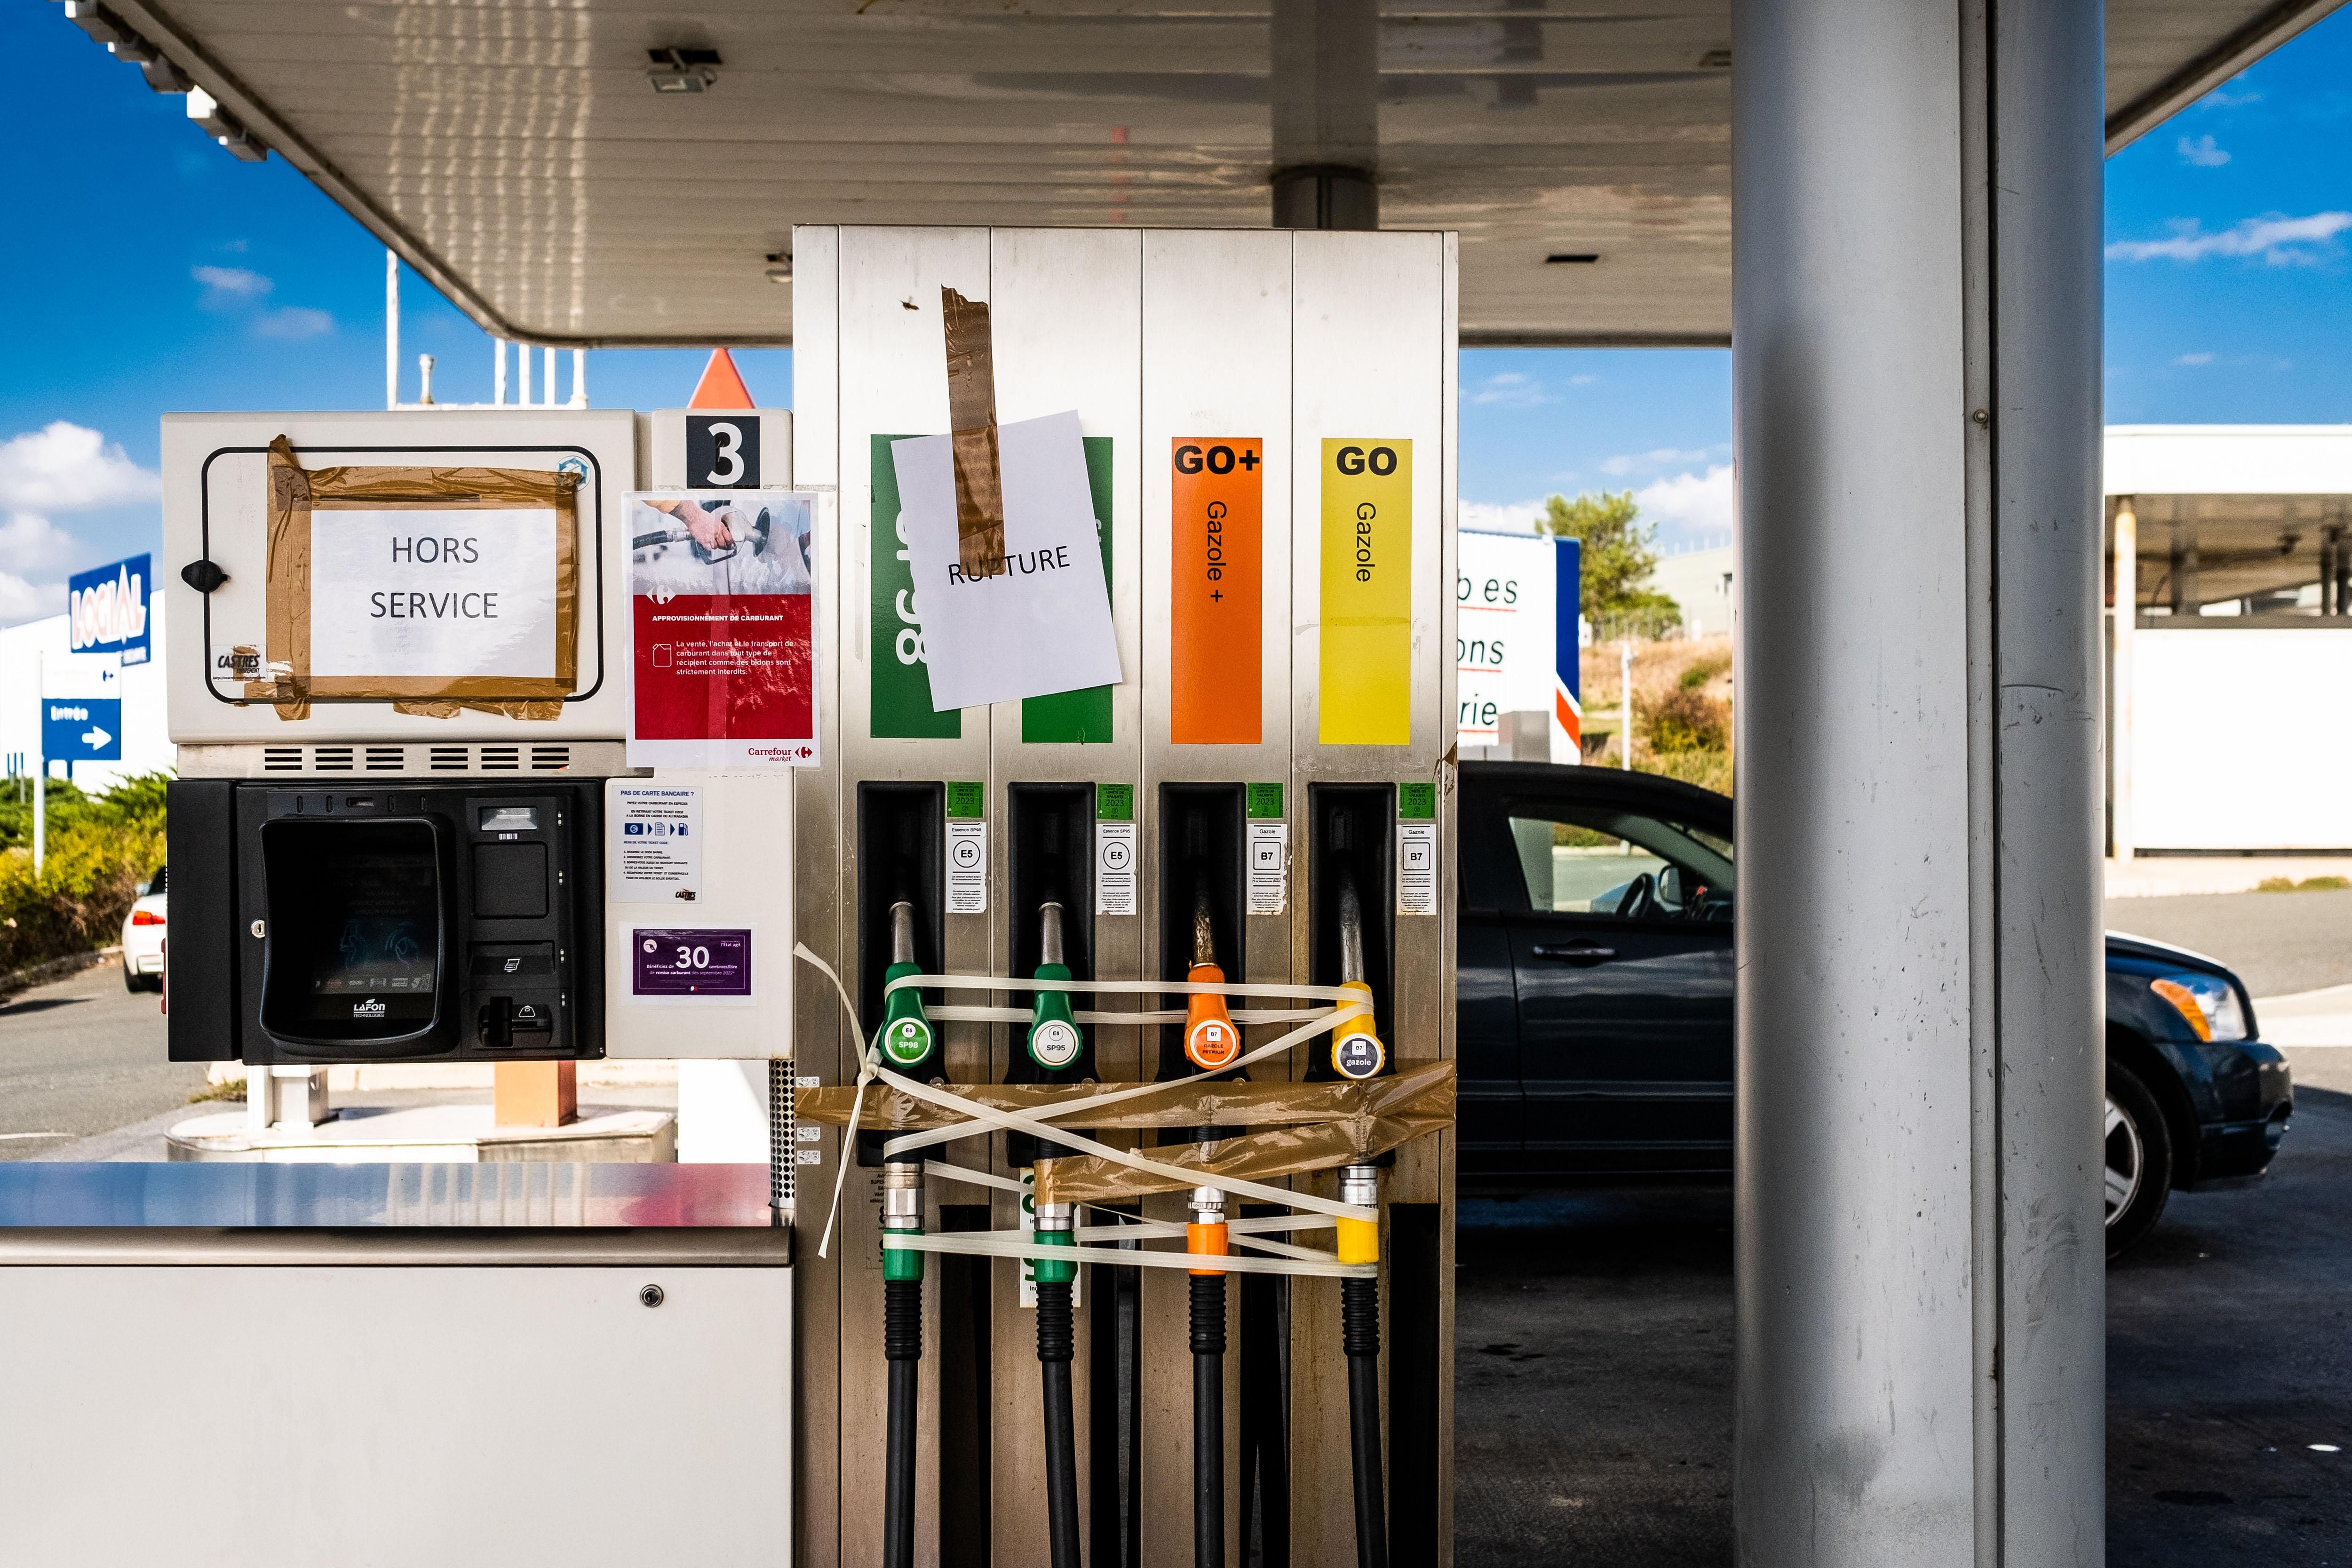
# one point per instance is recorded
(106, 610)
(371, 1008)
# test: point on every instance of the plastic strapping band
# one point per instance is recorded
(866, 1063)
(1349, 1005)
(988, 1244)
(1324, 1022)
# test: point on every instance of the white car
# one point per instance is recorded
(143, 937)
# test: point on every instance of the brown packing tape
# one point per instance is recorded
(1425, 1089)
(971, 421)
(545, 707)
(295, 494)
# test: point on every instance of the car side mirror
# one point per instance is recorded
(1670, 886)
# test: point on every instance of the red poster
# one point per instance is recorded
(723, 656)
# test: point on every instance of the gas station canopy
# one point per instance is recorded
(618, 172)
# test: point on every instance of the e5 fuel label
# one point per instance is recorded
(1216, 577)
(1366, 677)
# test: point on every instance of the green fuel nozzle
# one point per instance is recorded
(1054, 1038)
(909, 1041)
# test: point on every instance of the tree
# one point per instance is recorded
(1617, 563)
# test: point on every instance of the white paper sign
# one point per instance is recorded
(431, 593)
(967, 867)
(657, 844)
(1114, 868)
(1269, 867)
(1416, 868)
(1043, 624)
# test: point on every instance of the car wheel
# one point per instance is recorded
(130, 975)
(2138, 1159)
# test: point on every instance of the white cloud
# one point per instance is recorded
(295, 322)
(1500, 517)
(1689, 504)
(64, 466)
(1582, 380)
(2194, 359)
(1660, 457)
(1510, 389)
(2202, 152)
(31, 542)
(231, 285)
(2276, 239)
(23, 601)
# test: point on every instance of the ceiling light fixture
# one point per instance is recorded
(780, 267)
(1568, 257)
(683, 70)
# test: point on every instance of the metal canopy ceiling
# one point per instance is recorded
(517, 156)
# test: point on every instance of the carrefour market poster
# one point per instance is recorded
(724, 661)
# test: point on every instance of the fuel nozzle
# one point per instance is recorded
(1054, 1038)
(908, 1038)
(1211, 1041)
(1356, 1048)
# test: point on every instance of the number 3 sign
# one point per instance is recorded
(722, 451)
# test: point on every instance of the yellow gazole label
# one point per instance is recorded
(1366, 661)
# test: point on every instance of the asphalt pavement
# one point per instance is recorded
(1592, 1359)
(81, 1056)
(2278, 943)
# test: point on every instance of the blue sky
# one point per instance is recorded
(151, 271)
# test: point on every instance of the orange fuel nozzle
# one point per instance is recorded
(1211, 1041)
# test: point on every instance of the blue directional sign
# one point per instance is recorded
(81, 729)
(106, 610)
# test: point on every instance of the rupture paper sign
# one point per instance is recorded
(1042, 624)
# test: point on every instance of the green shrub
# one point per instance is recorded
(1700, 673)
(1686, 719)
(2309, 885)
(1709, 769)
(98, 849)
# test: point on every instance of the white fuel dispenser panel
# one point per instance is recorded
(216, 509)
(699, 914)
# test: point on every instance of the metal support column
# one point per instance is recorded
(1920, 1252)
(2122, 839)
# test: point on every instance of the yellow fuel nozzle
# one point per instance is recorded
(1356, 1048)
(1210, 1040)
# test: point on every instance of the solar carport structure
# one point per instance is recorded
(1890, 208)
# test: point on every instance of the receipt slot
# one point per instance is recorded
(458, 922)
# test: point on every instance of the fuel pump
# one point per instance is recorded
(1357, 1053)
(1055, 1052)
(1210, 1041)
(910, 1045)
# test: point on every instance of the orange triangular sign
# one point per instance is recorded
(722, 385)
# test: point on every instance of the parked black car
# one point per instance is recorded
(1594, 1016)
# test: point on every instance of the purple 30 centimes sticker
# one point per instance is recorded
(669, 963)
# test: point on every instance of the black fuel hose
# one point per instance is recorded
(902, 1347)
(1055, 1337)
(1360, 1318)
(1209, 1421)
